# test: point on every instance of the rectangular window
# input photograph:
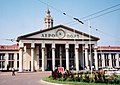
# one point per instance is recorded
(2, 64)
(106, 60)
(113, 56)
(17, 64)
(17, 56)
(106, 56)
(11, 64)
(2, 56)
(11, 56)
(113, 60)
(99, 60)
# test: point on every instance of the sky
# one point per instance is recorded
(20, 17)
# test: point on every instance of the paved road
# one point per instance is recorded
(23, 78)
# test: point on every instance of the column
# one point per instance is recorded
(32, 59)
(77, 59)
(86, 56)
(15, 60)
(53, 57)
(96, 58)
(43, 59)
(117, 60)
(67, 56)
(20, 59)
(43, 56)
(6, 61)
(110, 60)
(103, 60)
(32, 56)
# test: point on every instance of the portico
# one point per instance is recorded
(38, 53)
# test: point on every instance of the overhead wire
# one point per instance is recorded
(101, 11)
(74, 18)
(96, 13)
(102, 14)
(12, 39)
(81, 22)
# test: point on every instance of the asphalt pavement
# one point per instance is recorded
(28, 78)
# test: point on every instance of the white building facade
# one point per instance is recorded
(9, 57)
(108, 56)
(58, 46)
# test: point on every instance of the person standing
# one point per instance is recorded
(13, 72)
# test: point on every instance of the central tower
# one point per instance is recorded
(48, 20)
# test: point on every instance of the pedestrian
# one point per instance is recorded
(13, 72)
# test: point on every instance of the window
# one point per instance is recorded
(11, 56)
(2, 64)
(113, 56)
(106, 56)
(17, 56)
(106, 60)
(11, 64)
(2, 56)
(99, 60)
(113, 60)
(17, 64)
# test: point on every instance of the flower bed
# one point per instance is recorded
(96, 77)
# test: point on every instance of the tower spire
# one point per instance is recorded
(48, 20)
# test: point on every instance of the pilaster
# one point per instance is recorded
(117, 60)
(103, 60)
(15, 61)
(6, 61)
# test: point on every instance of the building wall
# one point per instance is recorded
(9, 59)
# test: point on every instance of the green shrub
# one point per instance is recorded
(69, 79)
(50, 77)
(86, 78)
(77, 79)
(117, 80)
(61, 79)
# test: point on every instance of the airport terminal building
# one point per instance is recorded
(57, 46)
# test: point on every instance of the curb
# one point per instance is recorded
(51, 83)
